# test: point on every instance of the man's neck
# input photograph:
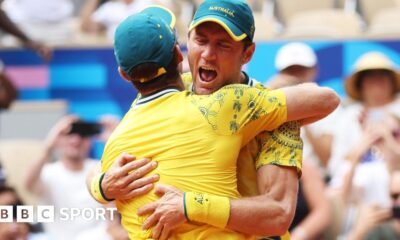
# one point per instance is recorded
(176, 85)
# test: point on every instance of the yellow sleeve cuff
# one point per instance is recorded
(205, 208)
(96, 191)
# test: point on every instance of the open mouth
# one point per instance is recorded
(207, 74)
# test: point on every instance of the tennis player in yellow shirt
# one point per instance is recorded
(279, 140)
(250, 111)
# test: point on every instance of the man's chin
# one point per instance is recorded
(203, 91)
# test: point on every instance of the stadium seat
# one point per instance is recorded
(369, 8)
(385, 24)
(266, 27)
(31, 119)
(288, 8)
(323, 24)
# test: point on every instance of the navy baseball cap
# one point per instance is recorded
(235, 16)
(146, 37)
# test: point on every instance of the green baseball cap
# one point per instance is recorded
(146, 37)
(235, 16)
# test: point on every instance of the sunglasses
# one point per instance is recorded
(395, 196)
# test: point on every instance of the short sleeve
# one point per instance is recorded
(240, 109)
(282, 147)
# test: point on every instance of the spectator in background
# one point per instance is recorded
(8, 92)
(373, 86)
(297, 63)
(380, 223)
(62, 183)
(9, 26)
(108, 15)
(90, 6)
(369, 162)
(14, 230)
(43, 19)
(366, 184)
(361, 159)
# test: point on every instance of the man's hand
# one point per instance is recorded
(370, 216)
(62, 127)
(166, 213)
(126, 178)
(41, 49)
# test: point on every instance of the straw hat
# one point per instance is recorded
(369, 61)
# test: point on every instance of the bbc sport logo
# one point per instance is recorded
(48, 214)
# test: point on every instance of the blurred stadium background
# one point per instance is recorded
(83, 70)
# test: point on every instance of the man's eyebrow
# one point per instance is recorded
(200, 33)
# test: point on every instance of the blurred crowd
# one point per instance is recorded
(92, 22)
(350, 187)
(351, 158)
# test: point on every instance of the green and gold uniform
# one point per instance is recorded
(282, 147)
(196, 141)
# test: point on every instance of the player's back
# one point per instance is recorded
(190, 155)
(196, 141)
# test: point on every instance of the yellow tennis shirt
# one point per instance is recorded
(196, 141)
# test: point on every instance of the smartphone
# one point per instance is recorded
(85, 129)
(396, 212)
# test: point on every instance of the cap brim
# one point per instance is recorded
(233, 31)
(290, 63)
(162, 12)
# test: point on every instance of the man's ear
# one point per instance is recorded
(248, 53)
(123, 74)
(179, 55)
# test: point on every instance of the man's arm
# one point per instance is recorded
(318, 217)
(33, 176)
(8, 26)
(308, 102)
(8, 92)
(270, 213)
(87, 24)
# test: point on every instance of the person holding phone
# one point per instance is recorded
(381, 223)
(59, 179)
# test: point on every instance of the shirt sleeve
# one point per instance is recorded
(282, 146)
(240, 109)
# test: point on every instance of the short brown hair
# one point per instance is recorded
(149, 70)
